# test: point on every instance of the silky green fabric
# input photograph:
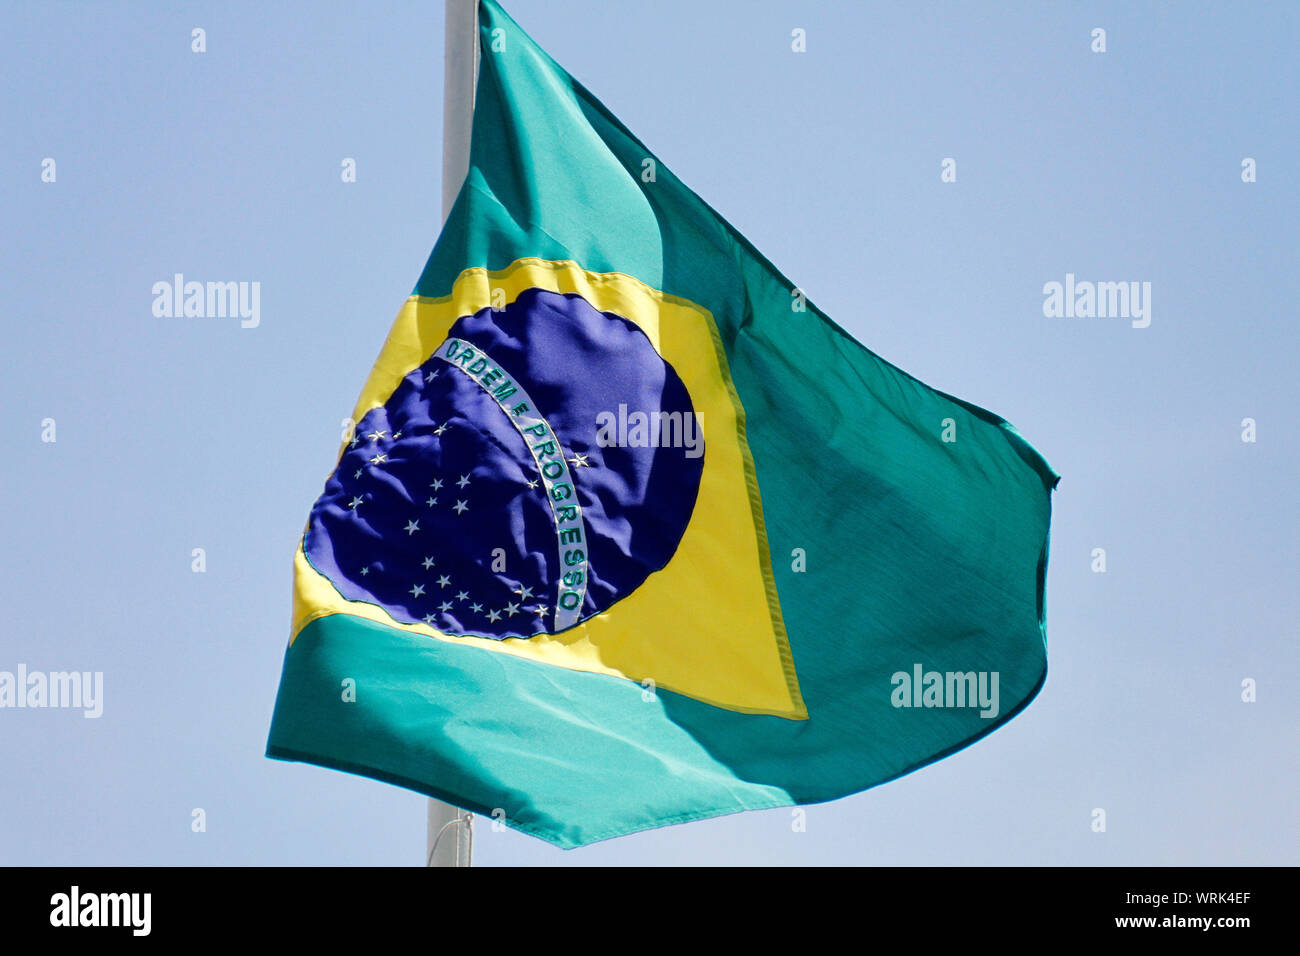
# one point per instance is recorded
(891, 546)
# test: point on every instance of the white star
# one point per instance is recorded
(417, 590)
(476, 607)
(440, 429)
(437, 484)
(512, 608)
(365, 570)
(444, 581)
(430, 376)
(376, 435)
(523, 592)
(464, 480)
(579, 461)
(428, 619)
(353, 503)
(412, 527)
(357, 473)
(461, 507)
(396, 435)
(430, 501)
(539, 610)
(462, 596)
(494, 615)
(428, 563)
(355, 441)
(532, 484)
(378, 459)
(445, 606)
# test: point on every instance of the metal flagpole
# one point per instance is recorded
(450, 836)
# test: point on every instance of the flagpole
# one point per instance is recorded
(449, 839)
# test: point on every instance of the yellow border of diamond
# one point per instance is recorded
(708, 625)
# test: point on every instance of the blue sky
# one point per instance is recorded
(174, 434)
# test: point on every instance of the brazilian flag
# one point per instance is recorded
(628, 533)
